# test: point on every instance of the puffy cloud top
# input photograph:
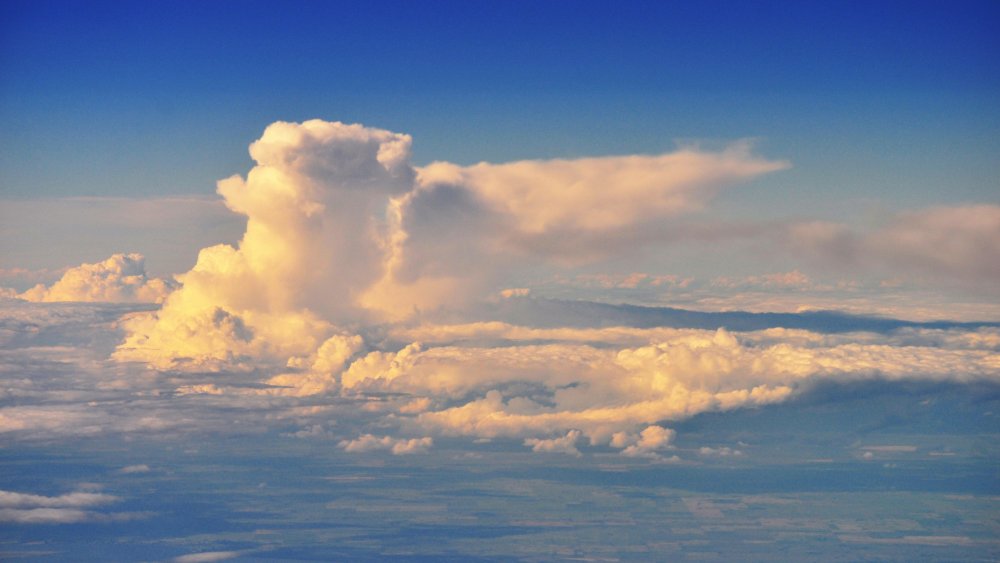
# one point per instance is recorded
(120, 278)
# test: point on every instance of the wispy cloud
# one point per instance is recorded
(69, 508)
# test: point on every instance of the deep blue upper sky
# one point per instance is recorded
(149, 98)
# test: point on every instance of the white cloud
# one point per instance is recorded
(45, 515)
(464, 230)
(480, 380)
(723, 451)
(782, 280)
(563, 445)
(398, 446)
(344, 237)
(130, 469)
(207, 556)
(10, 499)
(69, 508)
(120, 278)
(606, 392)
(315, 239)
(650, 441)
(600, 194)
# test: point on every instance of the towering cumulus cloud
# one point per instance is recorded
(315, 206)
(342, 230)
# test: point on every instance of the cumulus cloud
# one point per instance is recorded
(120, 278)
(563, 445)
(398, 446)
(533, 390)
(649, 442)
(315, 237)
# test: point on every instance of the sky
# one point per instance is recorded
(521, 280)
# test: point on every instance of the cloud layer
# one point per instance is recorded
(353, 308)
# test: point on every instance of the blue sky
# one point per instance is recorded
(499, 280)
(112, 99)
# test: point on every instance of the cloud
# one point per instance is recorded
(45, 515)
(120, 278)
(341, 231)
(600, 194)
(463, 230)
(130, 469)
(782, 280)
(723, 451)
(318, 373)
(952, 243)
(531, 390)
(10, 499)
(23, 508)
(348, 293)
(563, 445)
(477, 380)
(208, 556)
(650, 441)
(398, 446)
(315, 237)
